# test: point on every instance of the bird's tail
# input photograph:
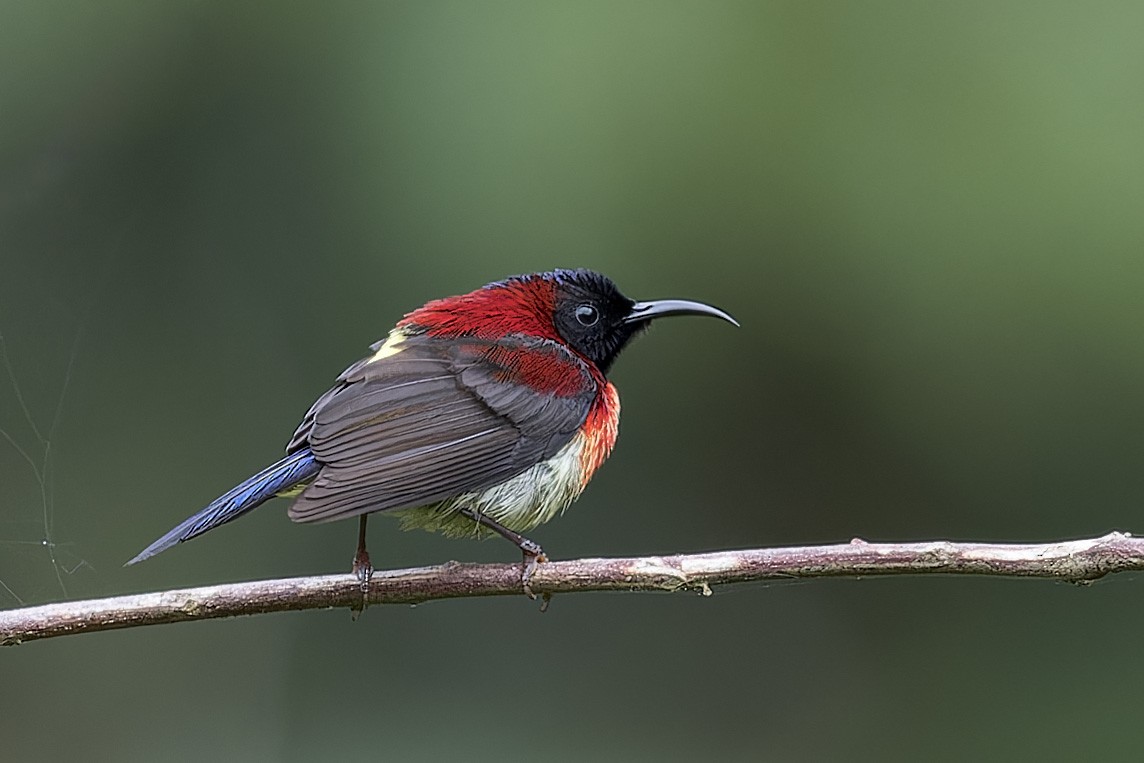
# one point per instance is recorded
(296, 468)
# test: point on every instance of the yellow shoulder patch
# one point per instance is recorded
(392, 346)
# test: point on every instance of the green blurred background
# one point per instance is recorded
(927, 217)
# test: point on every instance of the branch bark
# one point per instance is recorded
(1076, 561)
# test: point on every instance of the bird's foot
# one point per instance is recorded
(533, 553)
(533, 557)
(362, 568)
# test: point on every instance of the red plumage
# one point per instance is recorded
(515, 306)
(542, 368)
(600, 430)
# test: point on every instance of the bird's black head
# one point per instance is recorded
(598, 321)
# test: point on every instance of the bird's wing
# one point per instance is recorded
(438, 419)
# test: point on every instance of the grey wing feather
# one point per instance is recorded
(431, 422)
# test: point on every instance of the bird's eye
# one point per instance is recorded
(588, 315)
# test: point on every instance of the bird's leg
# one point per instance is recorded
(533, 553)
(362, 567)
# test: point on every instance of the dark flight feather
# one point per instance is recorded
(438, 419)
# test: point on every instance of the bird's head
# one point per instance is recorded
(579, 308)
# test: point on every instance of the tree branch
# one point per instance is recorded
(1076, 561)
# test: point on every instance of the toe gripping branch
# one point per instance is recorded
(530, 549)
(362, 566)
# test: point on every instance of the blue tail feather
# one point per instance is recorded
(296, 468)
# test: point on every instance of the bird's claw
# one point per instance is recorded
(531, 550)
(533, 556)
(363, 569)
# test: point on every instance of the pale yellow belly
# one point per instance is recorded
(521, 503)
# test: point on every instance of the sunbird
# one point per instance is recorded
(484, 412)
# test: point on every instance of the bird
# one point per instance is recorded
(481, 414)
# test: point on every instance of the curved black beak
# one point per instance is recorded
(657, 308)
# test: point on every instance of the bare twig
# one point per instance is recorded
(1076, 560)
